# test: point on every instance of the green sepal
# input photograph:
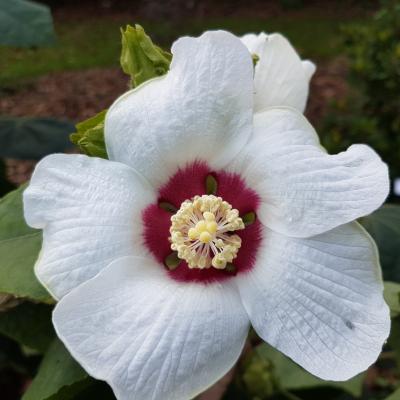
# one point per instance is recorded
(140, 58)
(89, 136)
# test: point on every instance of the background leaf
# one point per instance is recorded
(394, 396)
(25, 24)
(59, 376)
(33, 138)
(292, 377)
(384, 226)
(19, 249)
(29, 324)
(392, 297)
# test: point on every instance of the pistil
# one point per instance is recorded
(202, 232)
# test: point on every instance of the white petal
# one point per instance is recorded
(281, 78)
(305, 191)
(202, 109)
(148, 336)
(254, 43)
(319, 300)
(309, 69)
(90, 211)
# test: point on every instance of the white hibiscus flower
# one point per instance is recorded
(192, 143)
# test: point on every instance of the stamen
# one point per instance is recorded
(201, 232)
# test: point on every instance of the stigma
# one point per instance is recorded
(202, 232)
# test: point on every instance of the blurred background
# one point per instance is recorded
(59, 64)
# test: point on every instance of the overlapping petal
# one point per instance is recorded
(281, 78)
(304, 190)
(255, 43)
(90, 211)
(148, 336)
(202, 109)
(319, 300)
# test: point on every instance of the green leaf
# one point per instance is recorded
(394, 396)
(394, 339)
(25, 24)
(59, 376)
(19, 249)
(29, 324)
(33, 138)
(140, 58)
(258, 377)
(293, 377)
(392, 297)
(90, 136)
(384, 226)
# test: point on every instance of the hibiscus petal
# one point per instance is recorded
(319, 300)
(90, 211)
(148, 336)
(202, 109)
(281, 78)
(309, 69)
(255, 43)
(304, 190)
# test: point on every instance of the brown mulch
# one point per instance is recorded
(327, 85)
(77, 95)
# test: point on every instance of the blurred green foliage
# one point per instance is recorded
(78, 47)
(27, 138)
(25, 24)
(371, 113)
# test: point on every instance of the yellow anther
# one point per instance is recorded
(209, 216)
(201, 226)
(212, 227)
(218, 262)
(193, 234)
(205, 237)
(209, 241)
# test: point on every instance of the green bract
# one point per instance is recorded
(140, 58)
(90, 136)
